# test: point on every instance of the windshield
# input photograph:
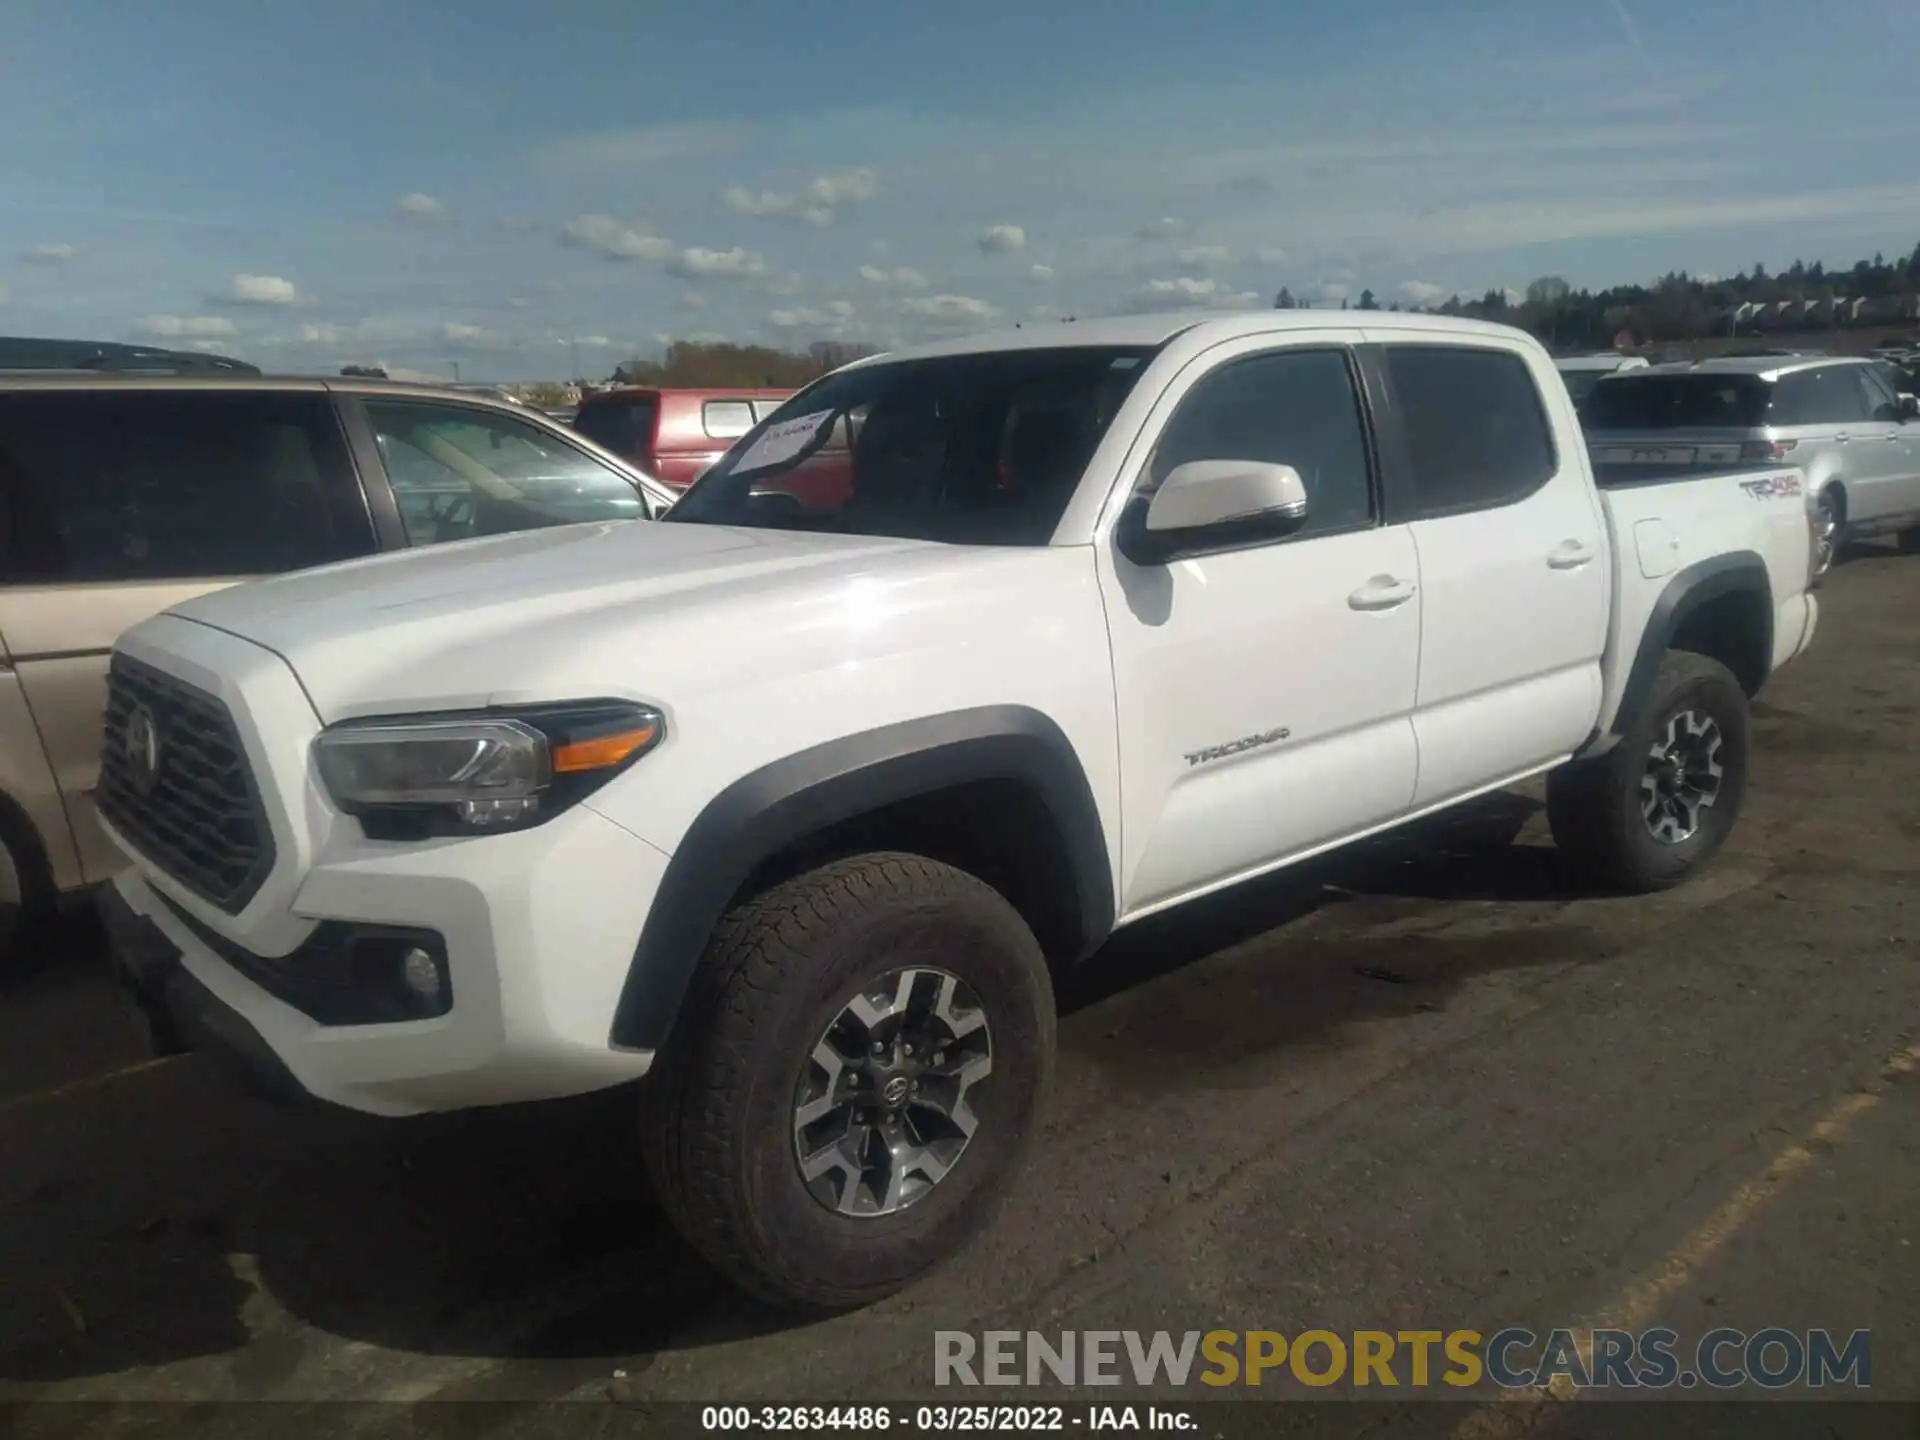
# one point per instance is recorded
(983, 449)
(1677, 402)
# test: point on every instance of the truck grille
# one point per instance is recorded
(196, 813)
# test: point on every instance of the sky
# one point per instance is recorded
(519, 189)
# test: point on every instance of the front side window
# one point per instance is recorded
(174, 486)
(983, 449)
(1290, 407)
(460, 472)
(1882, 400)
(1475, 428)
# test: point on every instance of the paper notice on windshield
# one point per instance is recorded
(781, 443)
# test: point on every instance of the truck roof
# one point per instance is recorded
(1152, 330)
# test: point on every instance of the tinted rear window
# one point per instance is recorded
(159, 486)
(1676, 402)
(624, 426)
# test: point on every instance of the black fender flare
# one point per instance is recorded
(1736, 572)
(771, 808)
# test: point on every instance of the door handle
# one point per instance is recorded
(1382, 592)
(1570, 555)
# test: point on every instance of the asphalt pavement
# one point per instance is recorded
(1429, 1084)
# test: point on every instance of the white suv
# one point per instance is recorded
(960, 661)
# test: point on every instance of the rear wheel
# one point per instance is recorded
(1655, 809)
(855, 1075)
(1830, 517)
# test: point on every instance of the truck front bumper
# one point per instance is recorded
(535, 932)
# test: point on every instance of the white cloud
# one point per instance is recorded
(1165, 228)
(1330, 292)
(819, 204)
(262, 290)
(901, 277)
(607, 236)
(1204, 257)
(834, 317)
(471, 337)
(420, 209)
(187, 327)
(1423, 293)
(52, 253)
(1270, 255)
(699, 263)
(320, 335)
(693, 300)
(1001, 239)
(950, 311)
(1041, 272)
(520, 302)
(1183, 292)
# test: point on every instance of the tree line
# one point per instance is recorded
(1805, 296)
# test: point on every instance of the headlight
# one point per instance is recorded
(479, 773)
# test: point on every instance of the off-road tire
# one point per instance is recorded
(26, 908)
(717, 1111)
(1832, 498)
(1594, 807)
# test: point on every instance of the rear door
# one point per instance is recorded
(1513, 561)
(121, 504)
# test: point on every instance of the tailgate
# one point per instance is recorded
(1665, 449)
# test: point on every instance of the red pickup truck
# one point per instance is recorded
(673, 435)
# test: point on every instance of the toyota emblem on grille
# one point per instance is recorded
(141, 746)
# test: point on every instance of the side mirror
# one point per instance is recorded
(1910, 407)
(1209, 505)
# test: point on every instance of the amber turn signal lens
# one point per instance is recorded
(603, 751)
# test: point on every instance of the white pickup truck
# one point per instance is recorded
(969, 656)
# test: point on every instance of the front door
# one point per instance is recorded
(1265, 694)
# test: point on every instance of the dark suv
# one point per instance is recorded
(124, 494)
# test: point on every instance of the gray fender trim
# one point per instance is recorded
(764, 812)
(1735, 572)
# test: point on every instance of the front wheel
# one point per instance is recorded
(1655, 809)
(855, 1074)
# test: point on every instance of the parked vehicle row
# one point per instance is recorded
(955, 663)
(124, 496)
(1853, 436)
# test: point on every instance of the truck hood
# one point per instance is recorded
(489, 621)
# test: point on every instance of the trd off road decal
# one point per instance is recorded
(1772, 487)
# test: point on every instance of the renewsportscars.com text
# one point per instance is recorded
(1513, 1358)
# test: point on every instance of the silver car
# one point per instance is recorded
(1836, 419)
